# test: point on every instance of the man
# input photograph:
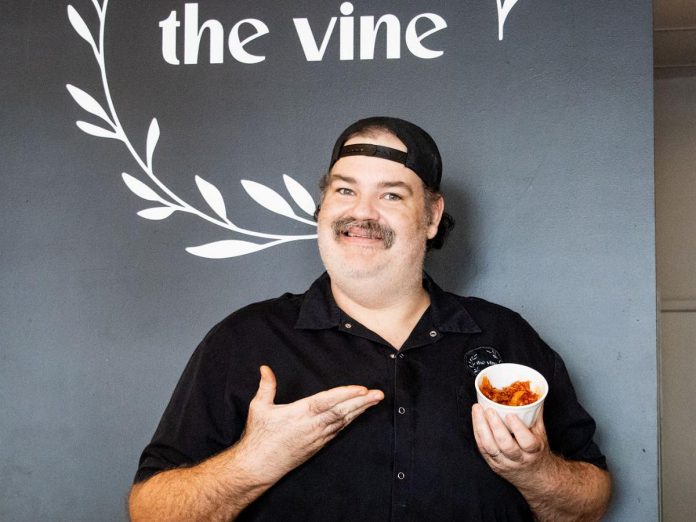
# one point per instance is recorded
(371, 416)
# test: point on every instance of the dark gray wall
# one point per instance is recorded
(547, 142)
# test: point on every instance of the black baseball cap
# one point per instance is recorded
(422, 155)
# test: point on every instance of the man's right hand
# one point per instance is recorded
(279, 437)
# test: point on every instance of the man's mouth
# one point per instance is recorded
(362, 232)
(365, 229)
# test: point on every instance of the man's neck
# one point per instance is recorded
(390, 310)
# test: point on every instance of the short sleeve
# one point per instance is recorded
(569, 427)
(200, 419)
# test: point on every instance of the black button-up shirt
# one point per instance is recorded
(413, 456)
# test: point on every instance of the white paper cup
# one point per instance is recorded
(504, 374)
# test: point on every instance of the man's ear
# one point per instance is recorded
(437, 207)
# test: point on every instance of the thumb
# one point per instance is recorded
(267, 386)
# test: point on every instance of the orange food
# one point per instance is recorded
(519, 393)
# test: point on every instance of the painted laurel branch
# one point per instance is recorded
(504, 8)
(167, 201)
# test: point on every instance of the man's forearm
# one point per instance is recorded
(567, 490)
(218, 489)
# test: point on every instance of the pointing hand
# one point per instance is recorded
(279, 437)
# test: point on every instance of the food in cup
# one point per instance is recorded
(502, 375)
(519, 393)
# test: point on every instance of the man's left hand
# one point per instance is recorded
(555, 488)
(512, 450)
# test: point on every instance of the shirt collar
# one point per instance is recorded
(447, 310)
(319, 309)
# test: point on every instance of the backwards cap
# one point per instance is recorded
(421, 156)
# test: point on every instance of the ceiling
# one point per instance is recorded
(674, 37)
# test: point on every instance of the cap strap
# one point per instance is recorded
(369, 149)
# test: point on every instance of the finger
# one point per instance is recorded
(527, 441)
(267, 386)
(344, 412)
(323, 401)
(359, 411)
(503, 438)
(482, 432)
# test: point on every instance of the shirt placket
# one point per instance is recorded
(405, 420)
(403, 409)
(403, 436)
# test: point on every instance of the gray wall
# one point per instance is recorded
(547, 142)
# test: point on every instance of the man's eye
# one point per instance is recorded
(390, 196)
(344, 191)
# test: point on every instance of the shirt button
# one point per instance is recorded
(401, 410)
(348, 325)
(392, 356)
(433, 333)
(401, 475)
(401, 356)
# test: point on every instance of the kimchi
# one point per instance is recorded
(519, 393)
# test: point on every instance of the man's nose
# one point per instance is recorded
(365, 208)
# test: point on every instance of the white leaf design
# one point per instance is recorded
(225, 249)
(80, 26)
(97, 7)
(88, 103)
(156, 213)
(268, 198)
(168, 201)
(504, 8)
(139, 188)
(153, 135)
(94, 130)
(300, 195)
(212, 197)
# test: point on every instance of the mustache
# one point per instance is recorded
(370, 227)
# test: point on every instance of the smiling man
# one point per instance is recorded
(372, 414)
(376, 217)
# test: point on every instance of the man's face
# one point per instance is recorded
(373, 217)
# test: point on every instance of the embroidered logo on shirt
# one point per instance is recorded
(480, 358)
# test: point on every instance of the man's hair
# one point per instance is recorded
(431, 196)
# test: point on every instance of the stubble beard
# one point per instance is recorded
(341, 266)
(345, 263)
